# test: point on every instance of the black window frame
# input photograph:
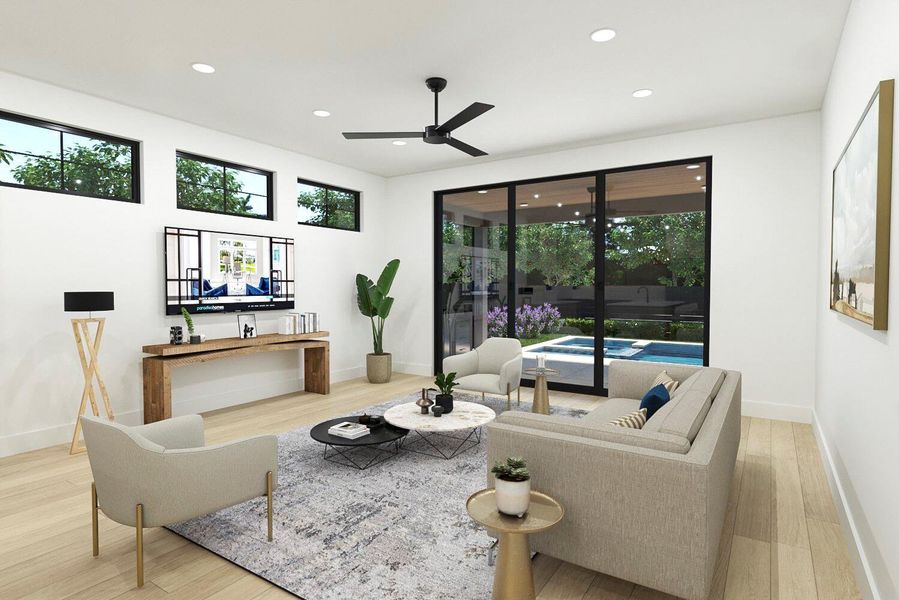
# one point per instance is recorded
(357, 198)
(269, 185)
(134, 145)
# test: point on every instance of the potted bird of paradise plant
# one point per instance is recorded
(375, 304)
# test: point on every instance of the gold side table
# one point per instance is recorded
(541, 391)
(514, 578)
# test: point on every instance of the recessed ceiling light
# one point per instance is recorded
(482, 191)
(523, 204)
(703, 188)
(536, 196)
(602, 35)
(577, 213)
(321, 113)
(692, 166)
(644, 93)
(399, 143)
(203, 68)
(699, 178)
(559, 204)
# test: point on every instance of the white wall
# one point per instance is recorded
(51, 243)
(764, 243)
(857, 406)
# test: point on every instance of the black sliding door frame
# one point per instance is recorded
(599, 254)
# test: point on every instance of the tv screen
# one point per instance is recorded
(215, 271)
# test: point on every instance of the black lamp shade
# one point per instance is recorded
(88, 301)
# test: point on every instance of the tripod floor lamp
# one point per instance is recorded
(88, 348)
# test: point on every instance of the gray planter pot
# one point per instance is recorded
(379, 367)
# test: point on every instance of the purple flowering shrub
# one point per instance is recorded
(530, 321)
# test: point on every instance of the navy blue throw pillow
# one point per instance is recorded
(654, 400)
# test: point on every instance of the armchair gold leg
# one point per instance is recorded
(508, 397)
(268, 493)
(483, 397)
(139, 542)
(95, 528)
(518, 391)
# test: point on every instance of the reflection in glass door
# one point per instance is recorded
(474, 281)
(555, 275)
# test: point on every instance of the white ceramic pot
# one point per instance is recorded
(513, 497)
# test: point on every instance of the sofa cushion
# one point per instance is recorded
(611, 409)
(684, 414)
(609, 433)
(634, 420)
(665, 379)
(654, 399)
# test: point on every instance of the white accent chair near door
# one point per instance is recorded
(163, 473)
(494, 367)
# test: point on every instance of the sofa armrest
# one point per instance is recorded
(461, 364)
(510, 374)
(633, 513)
(178, 432)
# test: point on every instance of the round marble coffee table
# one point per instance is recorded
(446, 436)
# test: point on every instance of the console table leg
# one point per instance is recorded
(317, 369)
(157, 390)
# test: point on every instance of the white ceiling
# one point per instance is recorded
(710, 62)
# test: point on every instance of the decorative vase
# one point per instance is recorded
(195, 339)
(445, 401)
(513, 497)
(378, 367)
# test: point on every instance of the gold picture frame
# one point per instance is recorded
(860, 217)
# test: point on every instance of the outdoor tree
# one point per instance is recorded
(5, 157)
(102, 168)
(561, 252)
(328, 207)
(208, 187)
(675, 241)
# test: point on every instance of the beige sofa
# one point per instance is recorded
(643, 505)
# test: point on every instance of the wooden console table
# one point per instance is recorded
(158, 368)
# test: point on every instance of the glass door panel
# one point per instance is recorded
(474, 280)
(655, 306)
(555, 293)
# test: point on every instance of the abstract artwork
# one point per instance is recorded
(860, 234)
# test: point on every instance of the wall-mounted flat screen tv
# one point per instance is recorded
(215, 271)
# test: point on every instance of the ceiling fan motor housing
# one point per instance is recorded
(434, 136)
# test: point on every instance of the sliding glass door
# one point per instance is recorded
(555, 276)
(583, 269)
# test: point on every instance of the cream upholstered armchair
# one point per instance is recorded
(163, 473)
(494, 367)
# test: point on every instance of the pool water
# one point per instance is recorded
(666, 352)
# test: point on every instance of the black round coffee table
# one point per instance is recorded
(381, 443)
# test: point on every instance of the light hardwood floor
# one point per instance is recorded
(781, 540)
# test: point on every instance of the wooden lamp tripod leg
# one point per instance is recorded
(90, 367)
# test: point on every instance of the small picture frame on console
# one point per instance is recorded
(246, 325)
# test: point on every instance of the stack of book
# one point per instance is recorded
(296, 322)
(348, 430)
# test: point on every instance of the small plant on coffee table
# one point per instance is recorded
(446, 383)
(514, 469)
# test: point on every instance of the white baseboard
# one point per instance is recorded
(863, 573)
(414, 368)
(779, 412)
(26, 441)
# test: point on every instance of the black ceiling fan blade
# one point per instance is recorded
(475, 110)
(459, 145)
(377, 135)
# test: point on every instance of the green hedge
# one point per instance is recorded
(643, 330)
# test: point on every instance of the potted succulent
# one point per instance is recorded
(375, 304)
(194, 337)
(513, 486)
(445, 385)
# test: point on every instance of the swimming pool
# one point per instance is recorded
(648, 351)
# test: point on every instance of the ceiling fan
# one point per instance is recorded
(433, 134)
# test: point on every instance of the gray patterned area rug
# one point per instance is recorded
(398, 530)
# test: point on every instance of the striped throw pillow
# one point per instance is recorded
(635, 420)
(665, 379)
